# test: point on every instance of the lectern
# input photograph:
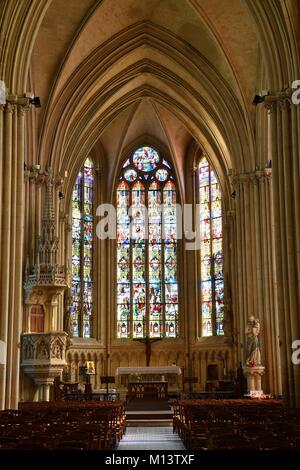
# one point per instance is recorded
(89, 370)
(107, 379)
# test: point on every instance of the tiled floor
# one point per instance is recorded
(150, 438)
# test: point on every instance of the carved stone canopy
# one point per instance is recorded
(46, 273)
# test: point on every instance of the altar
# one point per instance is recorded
(168, 374)
(148, 391)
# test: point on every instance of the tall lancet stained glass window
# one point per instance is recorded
(211, 251)
(82, 251)
(147, 285)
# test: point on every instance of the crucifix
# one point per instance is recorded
(147, 341)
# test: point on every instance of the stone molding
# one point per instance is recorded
(19, 103)
(255, 177)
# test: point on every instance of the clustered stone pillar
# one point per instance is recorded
(11, 256)
(5, 238)
(255, 285)
(284, 119)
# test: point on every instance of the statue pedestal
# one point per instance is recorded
(254, 375)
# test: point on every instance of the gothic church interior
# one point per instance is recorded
(188, 108)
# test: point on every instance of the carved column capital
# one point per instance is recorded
(241, 179)
(268, 174)
(34, 177)
(270, 106)
(9, 108)
(22, 108)
(284, 104)
(264, 175)
(280, 99)
(255, 177)
(19, 103)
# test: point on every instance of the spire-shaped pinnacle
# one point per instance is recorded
(47, 273)
(48, 214)
(48, 242)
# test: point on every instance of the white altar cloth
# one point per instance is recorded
(148, 370)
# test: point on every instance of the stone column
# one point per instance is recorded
(6, 240)
(284, 120)
(2, 317)
(44, 389)
(12, 229)
(269, 311)
(12, 261)
(245, 255)
(16, 255)
(1, 170)
(19, 227)
(255, 268)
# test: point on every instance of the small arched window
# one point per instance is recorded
(211, 251)
(37, 319)
(82, 251)
(147, 284)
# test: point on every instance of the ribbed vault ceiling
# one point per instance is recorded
(176, 83)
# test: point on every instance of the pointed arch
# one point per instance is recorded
(82, 251)
(211, 251)
(147, 285)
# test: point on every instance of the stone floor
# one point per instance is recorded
(150, 437)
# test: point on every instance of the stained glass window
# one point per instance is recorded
(147, 283)
(145, 159)
(82, 251)
(211, 251)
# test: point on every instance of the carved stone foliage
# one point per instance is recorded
(255, 177)
(281, 99)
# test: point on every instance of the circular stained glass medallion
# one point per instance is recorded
(130, 175)
(145, 159)
(161, 174)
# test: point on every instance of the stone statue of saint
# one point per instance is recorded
(253, 351)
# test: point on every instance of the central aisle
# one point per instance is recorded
(150, 438)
